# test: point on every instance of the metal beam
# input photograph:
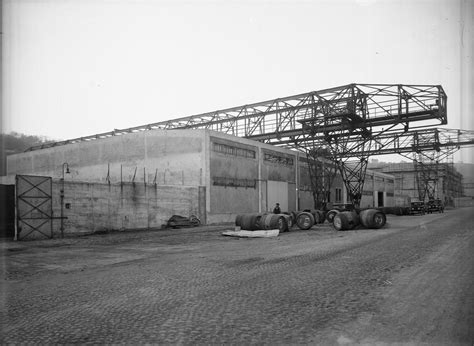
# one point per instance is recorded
(363, 105)
(387, 142)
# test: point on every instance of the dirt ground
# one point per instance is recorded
(411, 282)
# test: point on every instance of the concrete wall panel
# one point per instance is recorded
(306, 200)
(233, 179)
(95, 206)
(233, 200)
(278, 166)
(174, 157)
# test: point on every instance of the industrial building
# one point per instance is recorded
(442, 181)
(141, 179)
(243, 159)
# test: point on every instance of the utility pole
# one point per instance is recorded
(64, 166)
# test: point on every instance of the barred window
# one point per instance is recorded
(305, 188)
(389, 194)
(281, 160)
(234, 182)
(234, 151)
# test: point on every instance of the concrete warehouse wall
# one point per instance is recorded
(464, 202)
(375, 183)
(240, 171)
(239, 175)
(98, 206)
(164, 157)
(233, 187)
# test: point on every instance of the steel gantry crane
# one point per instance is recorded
(345, 124)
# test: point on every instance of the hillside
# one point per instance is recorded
(13, 143)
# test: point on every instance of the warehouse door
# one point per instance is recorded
(7, 208)
(34, 207)
(380, 199)
(277, 192)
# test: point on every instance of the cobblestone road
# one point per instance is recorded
(197, 287)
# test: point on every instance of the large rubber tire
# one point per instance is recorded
(339, 222)
(305, 220)
(372, 218)
(330, 215)
(379, 220)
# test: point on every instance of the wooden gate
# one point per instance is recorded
(34, 207)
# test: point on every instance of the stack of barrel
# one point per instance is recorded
(265, 221)
(347, 220)
(284, 222)
(308, 218)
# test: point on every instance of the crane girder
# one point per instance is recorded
(357, 106)
(388, 142)
(350, 121)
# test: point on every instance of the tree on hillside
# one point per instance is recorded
(13, 143)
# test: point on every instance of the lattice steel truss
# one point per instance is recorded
(364, 105)
(430, 149)
(322, 171)
(427, 173)
(351, 122)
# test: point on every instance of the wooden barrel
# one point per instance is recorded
(319, 216)
(398, 211)
(274, 221)
(248, 222)
(330, 215)
(345, 220)
(372, 218)
(293, 216)
(238, 220)
(305, 220)
(312, 212)
(322, 216)
(289, 221)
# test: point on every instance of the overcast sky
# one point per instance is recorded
(73, 68)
